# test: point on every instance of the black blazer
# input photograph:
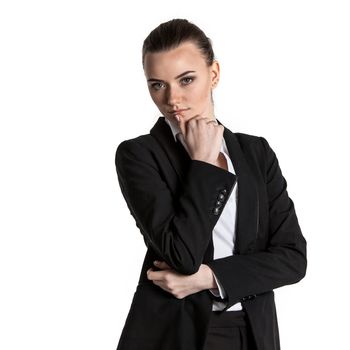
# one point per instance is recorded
(174, 202)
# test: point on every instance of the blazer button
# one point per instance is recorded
(221, 196)
(218, 203)
(249, 297)
(216, 211)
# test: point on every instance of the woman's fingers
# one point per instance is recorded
(182, 124)
(195, 119)
(172, 282)
(161, 264)
(153, 275)
(203, 137)
(156, 275)
(198, 119)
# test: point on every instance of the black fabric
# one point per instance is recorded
(229, 331)
(173, 201)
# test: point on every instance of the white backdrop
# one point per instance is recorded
(72, 88)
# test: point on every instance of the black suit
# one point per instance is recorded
(174, 202)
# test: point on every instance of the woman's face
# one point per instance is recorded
(180, 79)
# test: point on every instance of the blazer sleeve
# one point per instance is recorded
(218, 292)
(283, 261)
(178, 229)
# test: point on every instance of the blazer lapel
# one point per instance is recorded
(248, 201)
(176, 153)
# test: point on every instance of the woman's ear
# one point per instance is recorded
(215, 73)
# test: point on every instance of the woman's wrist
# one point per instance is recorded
(206, 278)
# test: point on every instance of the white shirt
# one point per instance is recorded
(225, 228)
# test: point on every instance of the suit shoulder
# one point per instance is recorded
(140, 147)
(135, 142)
(254, 146)
(247, 138)
(248, 141)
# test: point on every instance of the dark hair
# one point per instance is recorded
(171, 34)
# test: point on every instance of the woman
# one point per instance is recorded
(213, 209)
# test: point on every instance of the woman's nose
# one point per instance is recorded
(173, 96)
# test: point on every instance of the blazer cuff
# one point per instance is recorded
(219, 291)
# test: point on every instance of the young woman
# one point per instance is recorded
(213, 209)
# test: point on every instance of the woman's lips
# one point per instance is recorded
(179, 111)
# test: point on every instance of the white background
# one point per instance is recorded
(72, 88)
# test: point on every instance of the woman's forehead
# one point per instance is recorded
(186, 56)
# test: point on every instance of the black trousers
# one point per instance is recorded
(229, 330)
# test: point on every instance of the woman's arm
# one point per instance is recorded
(181, 285)
(177, 229)
(283, 261)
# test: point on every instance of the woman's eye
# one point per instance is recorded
(187, 80)
(184, 81)
(156, 86)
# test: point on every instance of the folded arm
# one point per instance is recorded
(284, 259)
(178, 229)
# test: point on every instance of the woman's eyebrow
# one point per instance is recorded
(177, 77)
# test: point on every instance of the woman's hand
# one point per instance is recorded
(181, 285)
(203, 136)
